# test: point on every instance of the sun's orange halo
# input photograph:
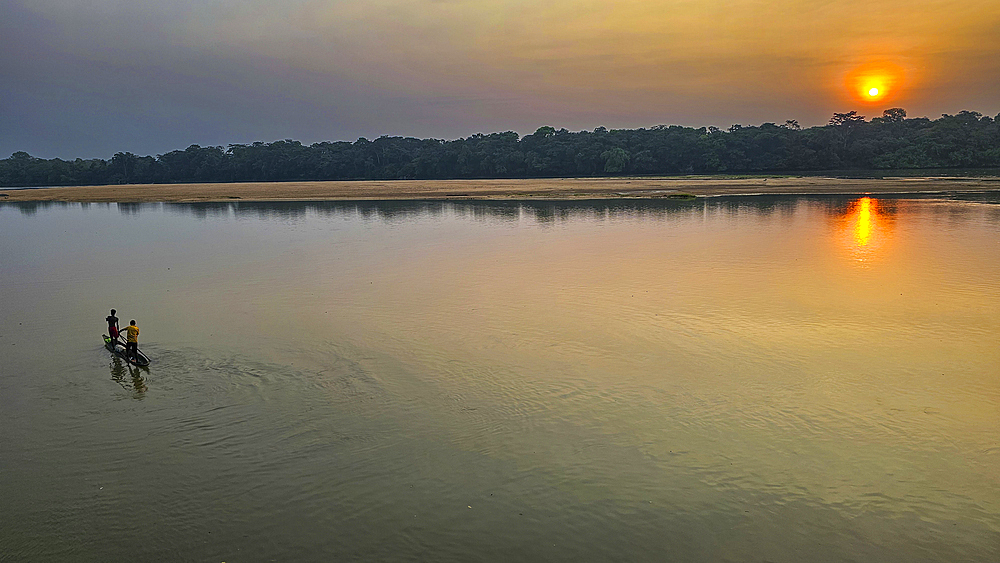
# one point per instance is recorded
(874, 82)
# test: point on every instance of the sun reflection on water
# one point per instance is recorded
(865, 228)
(863, 224)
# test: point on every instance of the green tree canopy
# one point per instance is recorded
(892, 141)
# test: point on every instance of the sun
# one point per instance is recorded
(874, 88)
(875, 82)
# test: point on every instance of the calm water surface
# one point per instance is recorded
(757, 379)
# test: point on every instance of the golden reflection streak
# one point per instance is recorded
(863, 224)
(865, 228)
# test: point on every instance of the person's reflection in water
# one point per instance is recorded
(117, 370)
(138, 382)
(135, 381)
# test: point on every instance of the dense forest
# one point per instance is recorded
(849, 141)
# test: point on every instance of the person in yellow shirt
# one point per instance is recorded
(132, 344)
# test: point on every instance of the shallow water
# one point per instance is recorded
(732, 379)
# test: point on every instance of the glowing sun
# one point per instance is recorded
(874, 82)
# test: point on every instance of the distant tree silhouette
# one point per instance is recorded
(123, 162)
(893, 141)
(615, 160)
(893, 115)
(849, 118)
(545, 131)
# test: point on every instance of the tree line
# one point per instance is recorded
(849, 141)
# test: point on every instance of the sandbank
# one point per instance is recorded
(547, 189)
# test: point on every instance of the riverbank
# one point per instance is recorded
(558, 188)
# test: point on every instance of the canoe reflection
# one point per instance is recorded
(128, 376)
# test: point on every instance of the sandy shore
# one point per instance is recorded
(563, 188)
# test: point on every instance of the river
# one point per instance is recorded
(779, 379)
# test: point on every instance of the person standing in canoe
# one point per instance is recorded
(112, 326)
(132, 344)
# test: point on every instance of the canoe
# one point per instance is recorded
(118, 349)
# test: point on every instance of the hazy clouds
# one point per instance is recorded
(88, 78)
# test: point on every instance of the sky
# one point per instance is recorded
(88, 78)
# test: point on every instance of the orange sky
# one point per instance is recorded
(446, 68)
(694, 53)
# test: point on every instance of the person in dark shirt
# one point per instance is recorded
(112, 326)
